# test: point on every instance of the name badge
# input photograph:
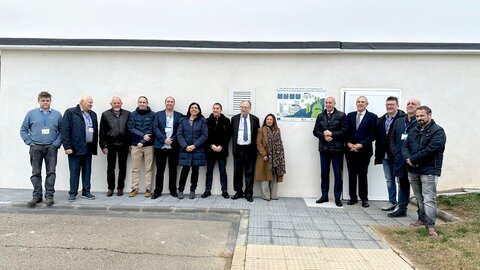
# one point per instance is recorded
(90, 129)
(404, 136)
(168, 129)
(45, 131)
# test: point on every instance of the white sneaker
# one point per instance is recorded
(389, 207)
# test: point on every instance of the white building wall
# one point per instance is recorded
(446, 83)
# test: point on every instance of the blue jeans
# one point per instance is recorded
(425, 190)
(75, 164)
(336, 159)
(390, 178)
(222, 163)
(39, 153)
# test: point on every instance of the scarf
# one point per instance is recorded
(276, 162)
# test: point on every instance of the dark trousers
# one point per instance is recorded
(243, 163)
(161, 157)
(76, 164)
(357, 164)
(222, 163)
(403, 192)
(193, 178)
(336, 159)
(39, 153)
(122, 153)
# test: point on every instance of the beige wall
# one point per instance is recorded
(446, 83)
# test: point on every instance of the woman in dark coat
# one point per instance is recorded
(270, 164)
(191, 135)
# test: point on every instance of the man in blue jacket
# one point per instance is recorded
(402, 126)
(80, 138)
(361, 133)
(41, 132)
(423, 153)
(165, 125)
(140, 128)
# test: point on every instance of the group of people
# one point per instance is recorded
(189, 140)
(409, 145)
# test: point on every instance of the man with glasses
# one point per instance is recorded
(244, 147)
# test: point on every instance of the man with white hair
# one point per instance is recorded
(79, 132)
(115, 142)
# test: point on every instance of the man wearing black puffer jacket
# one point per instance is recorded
(331, 130)
(140, 128)
(423, 152)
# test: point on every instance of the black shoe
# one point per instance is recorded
(174, 194)
(206, 194)
(249, 198)
(119, 192)
(109, 193)
(237, 195)
(49, 201)
(338, 202)
(322, 199)
(225, 195)
(398, 213)
(34, 202)
(155, 196)
(352, 202)
(365, 204)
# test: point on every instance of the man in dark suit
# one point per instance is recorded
(79, 132)
(244, 147)
(165, 125)
(360, 135)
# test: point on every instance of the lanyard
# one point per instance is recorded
(44, 118)
(409, 124)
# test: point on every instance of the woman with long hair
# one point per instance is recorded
(270, 164)
(191, 135)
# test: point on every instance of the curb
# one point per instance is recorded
(441, 214)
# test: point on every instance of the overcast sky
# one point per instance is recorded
(245, 20)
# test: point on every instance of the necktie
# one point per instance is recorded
(358, 119)
(245, 129)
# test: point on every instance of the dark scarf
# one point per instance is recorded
(276, 162)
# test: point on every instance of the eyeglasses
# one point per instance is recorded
(244, 107)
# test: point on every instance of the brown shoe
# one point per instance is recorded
(148, 193)
(432, 233)
(133, 193)
(417, 223)
(119, 192)
(109, 193)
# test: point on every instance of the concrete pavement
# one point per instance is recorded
(291, 233)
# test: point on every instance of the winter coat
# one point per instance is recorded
(113, 129)
(262, 170)
(425, 149)
(139, 124)
(382, 138)
(73, 131)
(337, 125)
(219, 133)
(196, 134)
(396, 143)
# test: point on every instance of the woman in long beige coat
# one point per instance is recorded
(270, 164)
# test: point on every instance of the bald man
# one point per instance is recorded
(115, 142)
(79, 132)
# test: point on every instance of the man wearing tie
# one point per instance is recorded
(360, 135)
(245, 127)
